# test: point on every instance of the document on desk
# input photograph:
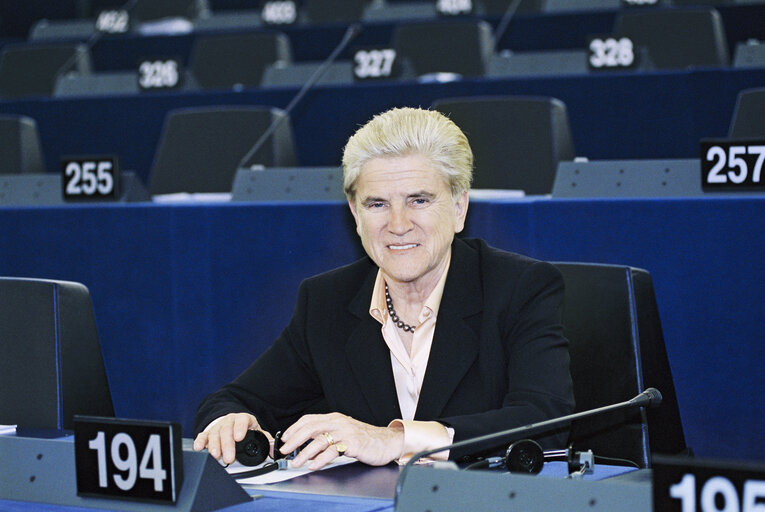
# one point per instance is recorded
(7, 429)
(279, 475)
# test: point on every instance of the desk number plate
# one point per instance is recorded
(691, 485)
(128, 459)
(90, 178)
(732, 165)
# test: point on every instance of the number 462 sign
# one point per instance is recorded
(128, 459)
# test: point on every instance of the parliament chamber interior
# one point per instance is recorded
(170, 172)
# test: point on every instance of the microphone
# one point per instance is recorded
(350, 34)
(505, 22)
(651, 397)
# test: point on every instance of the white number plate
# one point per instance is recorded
(732, 165)
(90, 178)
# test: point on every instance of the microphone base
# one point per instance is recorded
(448, 490)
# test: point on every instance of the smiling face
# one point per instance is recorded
(406, 217)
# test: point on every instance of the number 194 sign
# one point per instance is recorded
(128, 459)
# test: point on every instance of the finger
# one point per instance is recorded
(324, 458)
(310, 452)
(213, 443)
(242, 423)
(294, 438)
(200, 442)
(227, 443)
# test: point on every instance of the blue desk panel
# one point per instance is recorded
(186, 296)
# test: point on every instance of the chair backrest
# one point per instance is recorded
(20, 150)
(517, 141)
(31, 70)
(236, 60)
(51, 366)
(677, 38)
(461, 47)
(617, 350)
(748, 120)
(200, 148)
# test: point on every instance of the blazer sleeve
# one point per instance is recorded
(278, 387)
(535, 359)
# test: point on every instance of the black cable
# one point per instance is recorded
(625, 462)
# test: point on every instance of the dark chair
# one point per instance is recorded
(333, 11)
(677, 38)
(749, 115)
(517, 141)
(30, 70)
(200, 148)
(461, 47)
(617, 350)
(51, 366)
(20, 150)
(238, 60)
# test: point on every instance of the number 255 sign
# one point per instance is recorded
(130, 459)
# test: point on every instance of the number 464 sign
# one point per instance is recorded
(128, 459)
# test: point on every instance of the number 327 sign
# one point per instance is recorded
(128, 459)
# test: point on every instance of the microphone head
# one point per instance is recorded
(651, 397)
(654, 395)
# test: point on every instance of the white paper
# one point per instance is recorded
(7, 429)
(280, 475)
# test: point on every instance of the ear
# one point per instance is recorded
(355, 214)
(460, 211)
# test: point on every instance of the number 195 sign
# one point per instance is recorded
(117, 458)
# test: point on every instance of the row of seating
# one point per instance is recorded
(204, 15)
(665, 39)
(518, 142)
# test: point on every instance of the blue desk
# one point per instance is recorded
(186, 296)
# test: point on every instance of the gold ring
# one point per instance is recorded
(329, 439)
(340, 447)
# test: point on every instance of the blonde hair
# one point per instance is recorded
(406, 131)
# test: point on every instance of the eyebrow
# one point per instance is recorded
(415, 195)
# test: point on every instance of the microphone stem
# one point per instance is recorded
(526, 430)
(349, 35)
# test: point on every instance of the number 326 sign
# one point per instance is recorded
(130, 459)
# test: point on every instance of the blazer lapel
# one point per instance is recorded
(369, 357)
(455, 343)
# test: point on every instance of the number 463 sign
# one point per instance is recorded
(128, 459)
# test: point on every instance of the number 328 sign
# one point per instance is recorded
(132, 459)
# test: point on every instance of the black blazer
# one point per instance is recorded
(498, 358)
